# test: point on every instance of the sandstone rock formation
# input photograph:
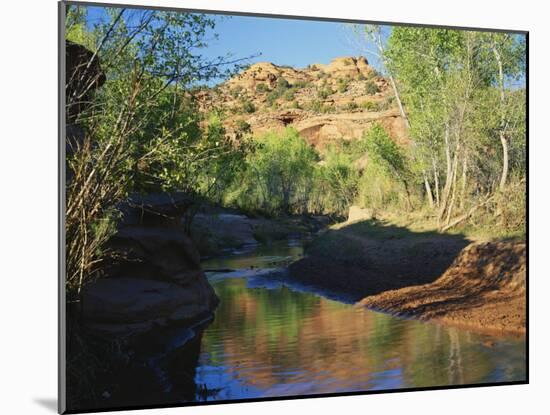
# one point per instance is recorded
(324, 102)
(155, 277)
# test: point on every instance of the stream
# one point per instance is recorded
(271, 337)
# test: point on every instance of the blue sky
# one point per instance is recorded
(297, 43)
(281, 41)
(284, 41)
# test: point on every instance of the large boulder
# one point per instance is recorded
(128, 306)
(164, 252)
(154, 276)
(213, 233)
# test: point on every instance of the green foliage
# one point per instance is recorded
(242, 126)
(141, 129)
(317, 106)
(277, 176)
(373, 73)
(461, 105)
(387, 176)
(289, 94)
(350, 106)
(280, 90)
(342, 85)
(324, 91)
(340, 179)
(248, 107)
(369, 106)
(75, 27)
(272, 97)
(282, 84)
(384, 153)
(371, 88)
(261, 88)
(301, 84)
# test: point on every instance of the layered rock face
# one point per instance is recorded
(324, 102)
(155, 278)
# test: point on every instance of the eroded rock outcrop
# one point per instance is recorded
(324, 102)
(155, 277)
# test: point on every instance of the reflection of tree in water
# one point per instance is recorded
(278, 341)
(455, 358)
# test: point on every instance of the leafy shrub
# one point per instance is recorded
(342, 85)
(371, 88)
(289, 94)
(248, 107)
(282, 87)
(301, 84)
(282, 84)
(278, 174)
(350, 106)
(242, 126)
(261, 88)
(324, 92)
(272, 97)
(373, 74)
(315, 105)
(370, 106)
(340, 179)
(318, 107)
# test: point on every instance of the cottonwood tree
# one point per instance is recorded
(141, 126)
(447, 77)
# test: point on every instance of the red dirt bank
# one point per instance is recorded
(484, 288)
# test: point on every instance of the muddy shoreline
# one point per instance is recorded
(424, 275)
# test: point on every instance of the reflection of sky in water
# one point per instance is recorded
(272, 338)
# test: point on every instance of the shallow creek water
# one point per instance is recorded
(271, 337)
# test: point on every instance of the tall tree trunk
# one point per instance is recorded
(428, 192)
(502, 135)
(398, 100)
(449, 175)
(463, 184)
(504, 176)
(408, 194)
(453, 193)
(436, 181)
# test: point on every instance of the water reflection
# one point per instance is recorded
(271, 340)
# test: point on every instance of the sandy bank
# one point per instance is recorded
(425, 275)
(484, 288)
